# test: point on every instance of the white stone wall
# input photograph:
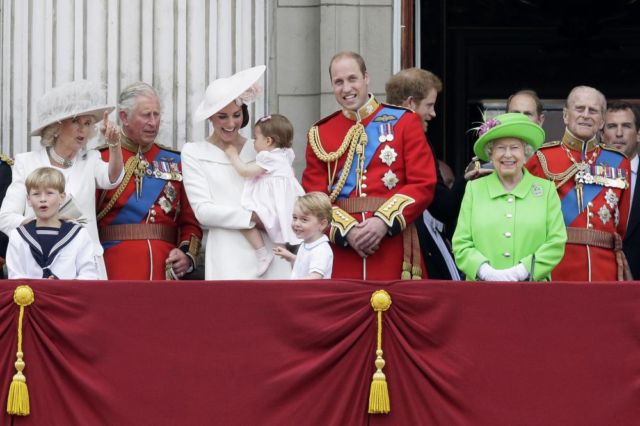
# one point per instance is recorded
(179, 46)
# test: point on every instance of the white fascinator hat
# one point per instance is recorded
(223, 91)
(69, 100)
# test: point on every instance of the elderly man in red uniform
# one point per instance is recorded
(591, 180)
(147, 227)
(375, 164)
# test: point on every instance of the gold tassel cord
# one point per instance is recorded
(18, 400)
(379, 392)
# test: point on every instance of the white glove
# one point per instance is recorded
(488, 273)
(516, 273)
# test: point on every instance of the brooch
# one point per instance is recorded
(390, 179)
(388, 155)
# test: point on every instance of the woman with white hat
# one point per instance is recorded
(215, 188)
(65, 121)
(510, 226)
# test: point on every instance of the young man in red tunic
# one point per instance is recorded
(592, 182)
(374, 162)
(147, 227)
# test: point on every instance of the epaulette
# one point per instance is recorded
(396, 107)
(6, 159)
(608, 148)
(168, 148)
(550, 144)
(328, 117)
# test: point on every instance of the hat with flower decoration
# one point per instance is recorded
(510, 125)
(223, 91)
(70, 100)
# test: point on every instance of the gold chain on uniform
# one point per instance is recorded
(350, 141)
(562, 177)
(129, 169)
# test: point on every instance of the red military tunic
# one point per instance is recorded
(607, 209)
(393, 180)
(158, 202)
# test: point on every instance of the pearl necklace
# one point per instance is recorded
(58, 158)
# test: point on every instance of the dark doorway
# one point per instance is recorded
(487, 49)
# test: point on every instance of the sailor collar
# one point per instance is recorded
(572, 142)
(365, 110)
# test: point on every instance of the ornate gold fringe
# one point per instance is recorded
(379, 392)
(18, 400)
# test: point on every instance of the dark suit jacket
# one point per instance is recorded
(5, 180)
(631, 244)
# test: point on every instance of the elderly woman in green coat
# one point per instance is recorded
(510, 226)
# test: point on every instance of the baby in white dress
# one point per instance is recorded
(271, 188)
(311, 216)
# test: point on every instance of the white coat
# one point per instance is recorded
(215, 189)
(87, 173)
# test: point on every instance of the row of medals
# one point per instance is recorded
(166, 170)
(601, 175)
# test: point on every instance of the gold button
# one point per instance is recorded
(364, 185)
(506, 254)
(363, 195)
(589, 204)
(364, 177)
(507, 234)
(590, 214)
(152, 219)
(590, 225)
(508, 215)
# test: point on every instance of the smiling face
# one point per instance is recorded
(620, 131)
(426, 108)
(584, 114)
(75, 132)
(226, 122)
(306, 226)
(507, 157)
(143, 124)
(350, 85)
(45, 202)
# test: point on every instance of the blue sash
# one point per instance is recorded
(570, 201)
(373, 143)
(136, 210)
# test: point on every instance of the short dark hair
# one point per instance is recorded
(348, 54)
(532, 94)
(619, 105)
(413, 82)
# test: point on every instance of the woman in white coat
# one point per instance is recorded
(215, 188)
(66, 118)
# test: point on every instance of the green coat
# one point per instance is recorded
(506, 228)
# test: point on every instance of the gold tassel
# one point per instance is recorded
(416, 272)
(379, 393)
(18, 400)
(406, 271)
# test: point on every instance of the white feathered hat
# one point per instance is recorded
(223, 91)
(80, 97)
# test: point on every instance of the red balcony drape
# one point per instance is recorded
(302, 353)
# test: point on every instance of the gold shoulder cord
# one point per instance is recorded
(562, 177)
(355, 133)
(129, 168)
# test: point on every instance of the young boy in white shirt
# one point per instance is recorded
(311, 216)
(47, 246)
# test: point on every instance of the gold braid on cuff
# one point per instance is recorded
(392, 210)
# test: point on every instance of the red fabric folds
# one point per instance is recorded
(292, 353)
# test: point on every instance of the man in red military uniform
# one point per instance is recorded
(591, 180)
(147, 227)
(375, 164)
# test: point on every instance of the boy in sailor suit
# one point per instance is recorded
(49, 247)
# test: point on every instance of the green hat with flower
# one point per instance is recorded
(510, 125)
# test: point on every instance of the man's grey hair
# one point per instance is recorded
(128, 99)
(603, 99)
